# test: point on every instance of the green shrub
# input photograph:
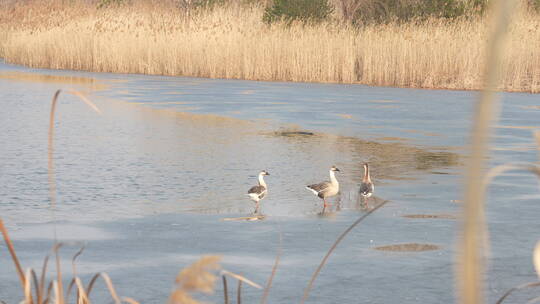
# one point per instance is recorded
(106, 3)
(199, 4)
(441, 8)
(383, 11)
(208, 3)
(311, 11)
(534, 5)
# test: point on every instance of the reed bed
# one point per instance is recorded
(231, 41)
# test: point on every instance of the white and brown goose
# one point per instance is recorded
(366, 187)
(326, 188)
(259, 192)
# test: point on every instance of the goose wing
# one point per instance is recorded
(366, 188)
(320, 187)
(257, 190)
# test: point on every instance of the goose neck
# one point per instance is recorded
(367, 178)
(261, 180)
(333, 179)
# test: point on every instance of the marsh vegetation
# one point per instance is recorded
(383, 44)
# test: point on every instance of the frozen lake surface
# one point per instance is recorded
(147, 184)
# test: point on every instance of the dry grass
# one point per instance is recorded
(54, 293)
(473, 243)
(34, 290)
(198, 277)
(232, 42)
(201, 277)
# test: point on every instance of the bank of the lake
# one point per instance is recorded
(233, 42)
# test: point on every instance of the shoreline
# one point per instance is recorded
(273, 81)
(228, 42)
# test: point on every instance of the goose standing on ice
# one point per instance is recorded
(257, 193)
(366, 187)
(327, 188)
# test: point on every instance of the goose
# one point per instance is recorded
(259, 192)
(366, 187)
(326, 188)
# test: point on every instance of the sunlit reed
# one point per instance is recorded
(473, 241)
(233, 42)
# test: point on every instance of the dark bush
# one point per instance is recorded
(309, 11)
(383, 11)
(534, 5)
(442, 9)
(107, 3)
(200, 4)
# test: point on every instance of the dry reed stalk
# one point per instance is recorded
(470, 262)
(241, 278)
(52, 182)
(29, 278)
(55, 287)
(536, 259)
(333, 247)
(108, 282)
(274, 270)
(50, 150)
(59, 288)
(41, 287)
(488, 177)
(500, 169)
(232, 42)
(239, 293)
(225, 290)
(50, 153)
(12, 252)
(520, 287)
(77, 254)
(81, 297)
(198, 277)
(27, 291)
(75, 281)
